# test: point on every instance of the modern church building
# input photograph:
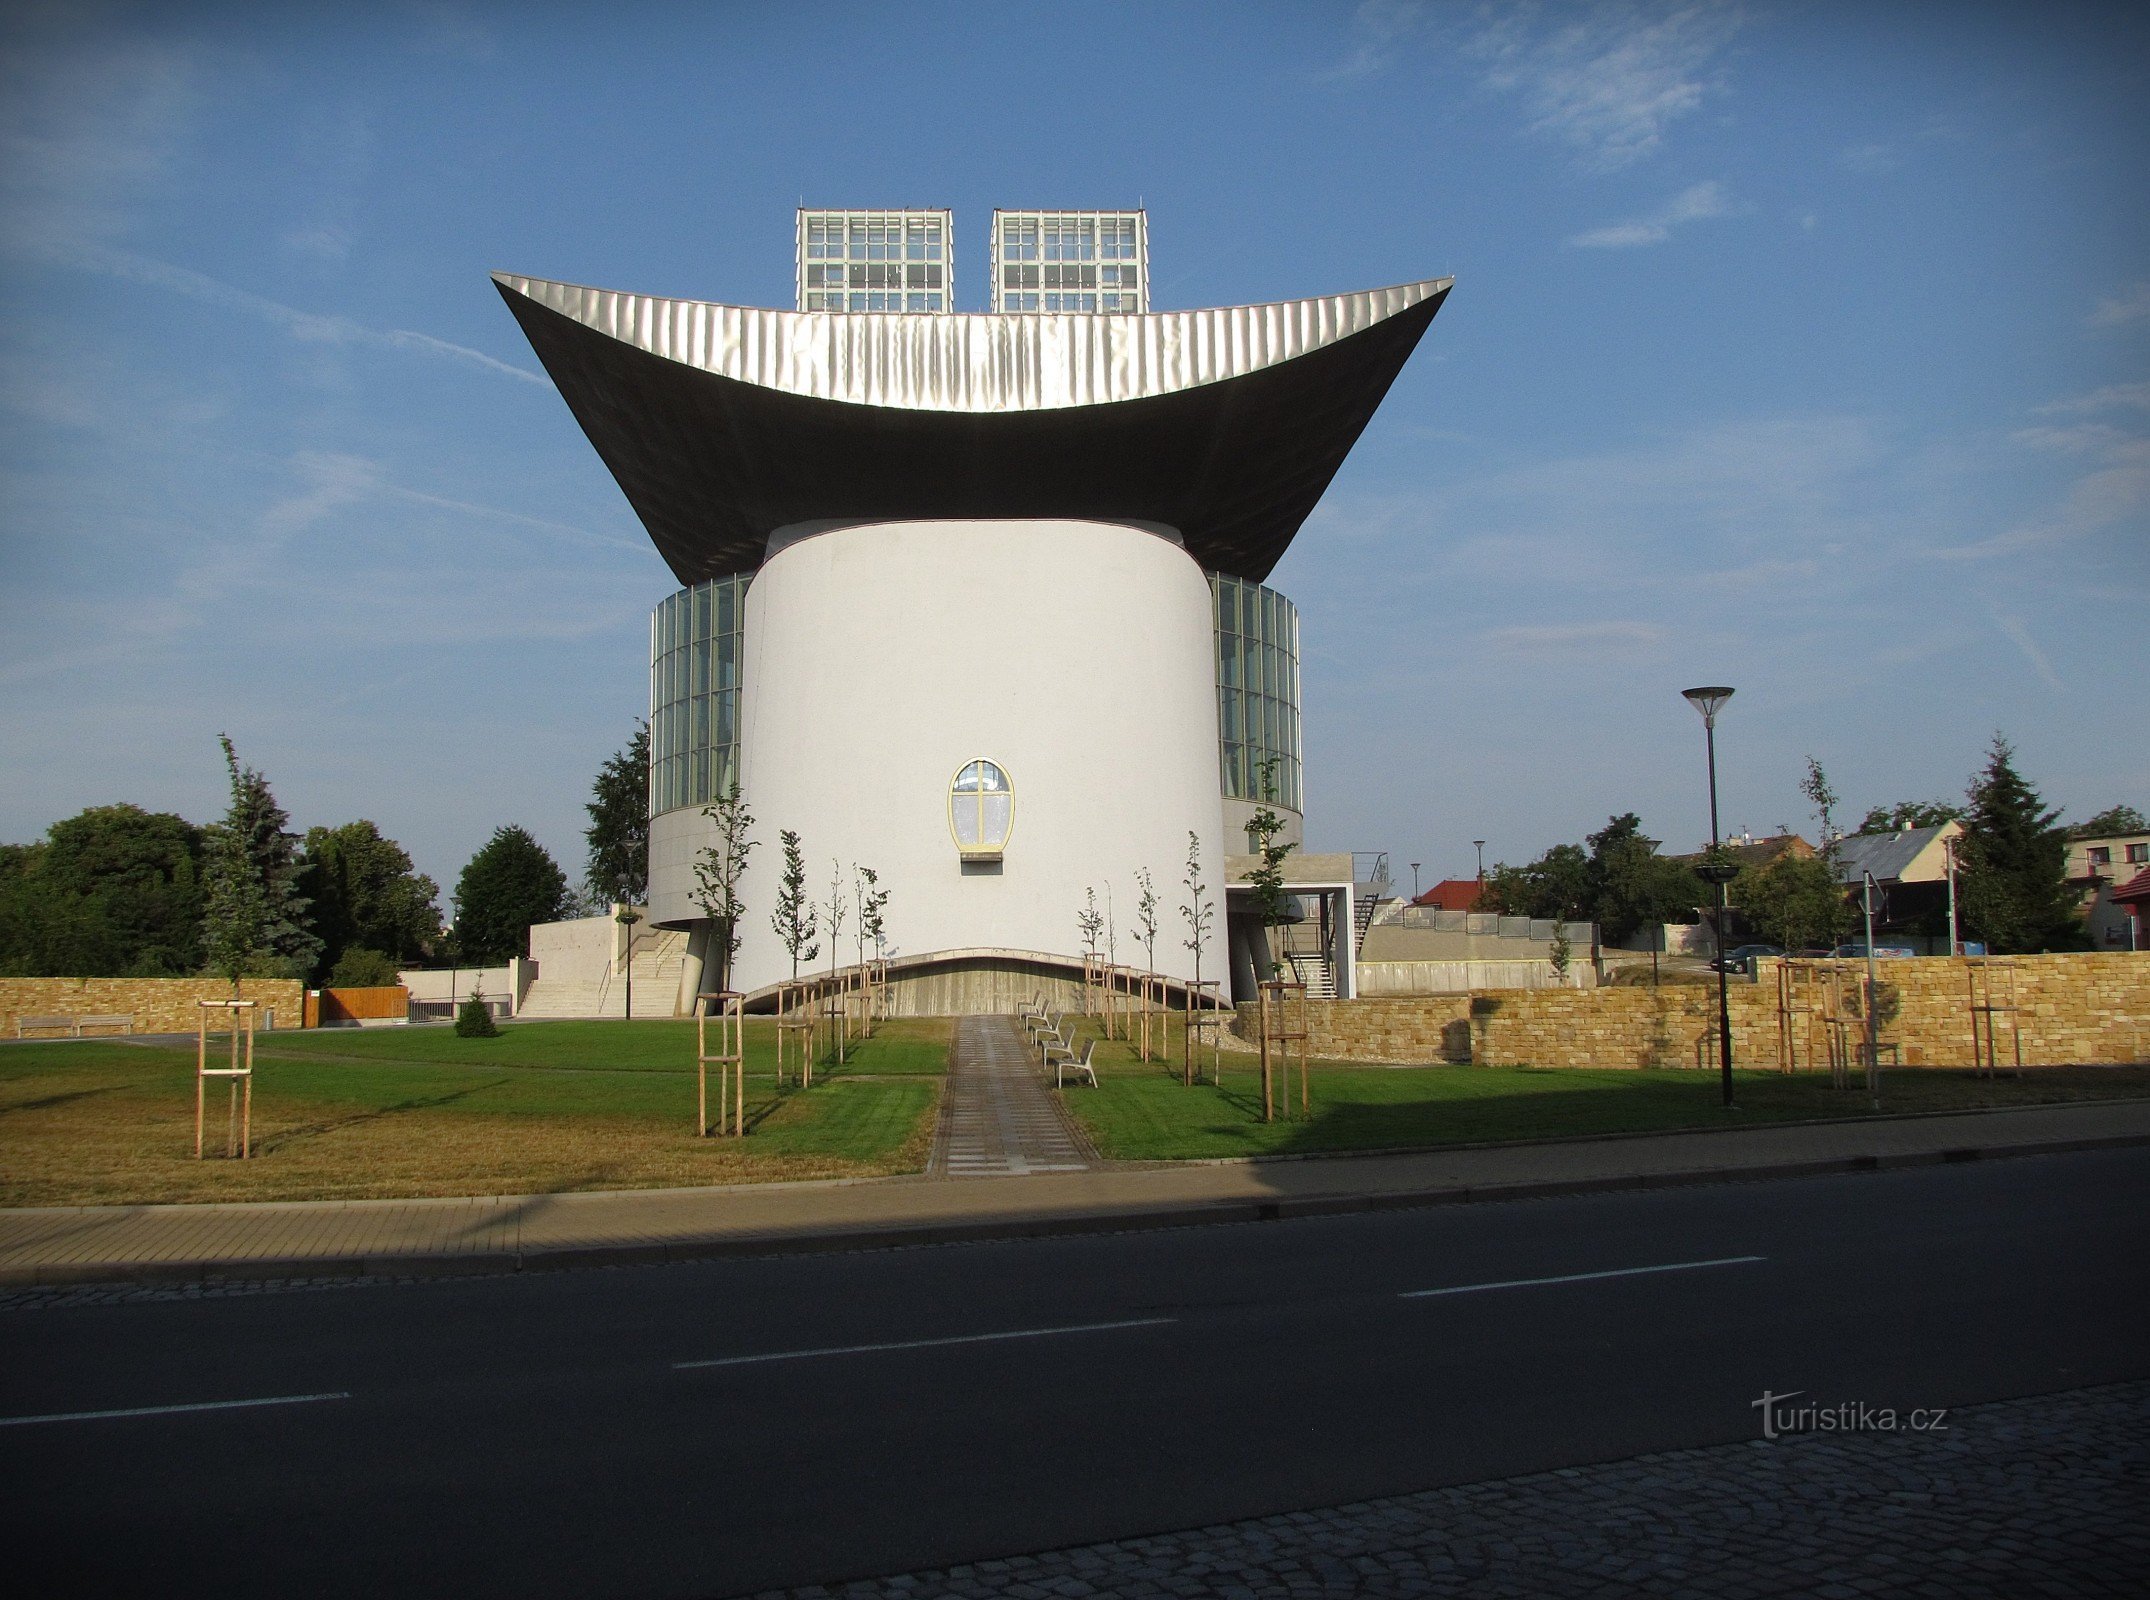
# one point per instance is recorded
(974, 600)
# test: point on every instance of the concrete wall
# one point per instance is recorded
(2073, 1008)
(582, 949)
(1376, 978)
(440, 985)
(879, 659)
(158, 1005)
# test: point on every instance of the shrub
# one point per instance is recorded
(361, 968)
(473, 1020)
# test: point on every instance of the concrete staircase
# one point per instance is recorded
(659, 956)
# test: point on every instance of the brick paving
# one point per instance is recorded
(2046, 1497)
(997, 1119)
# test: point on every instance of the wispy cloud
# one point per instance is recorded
(2020, 637)
(2111, 492)
(1610, 83)
(1696, 203)
(1575, 638)
(1377, 27)
(2113, 397)
(2125, 309)
(306, 326)
(1869, 158)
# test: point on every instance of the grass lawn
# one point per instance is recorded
(394, 1112)
(1144, 1113)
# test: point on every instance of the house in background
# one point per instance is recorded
(1453, 894)
(1910, 868)
(2098, 867)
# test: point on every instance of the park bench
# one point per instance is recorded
(120, 1020)
(44, 1025)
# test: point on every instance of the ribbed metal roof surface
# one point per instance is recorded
(724, 423)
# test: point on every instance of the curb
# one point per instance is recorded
(568, 1258)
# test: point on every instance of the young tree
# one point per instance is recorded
(1198, 911)
(618, 833)
(474, 1018)
(510, 884)
(1562, 951)
(255, 922)
(872, 899)
(794, 919)
(1090, 921)
(1271, 904)
(1815, 786)
(2015, 890)
(367, 897)
(834, 908)
(717, 872)
(1146, 917)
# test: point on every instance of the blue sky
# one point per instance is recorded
(1802, 347)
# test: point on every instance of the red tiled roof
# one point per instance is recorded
(1451, 894)
(2135, 891)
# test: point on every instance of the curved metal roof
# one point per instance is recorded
(725, 423)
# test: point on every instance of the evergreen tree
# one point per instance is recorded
(794, 919)
(255, 921)
(1271, 904)
(618, 834)
(511, 883)
(2015, 893)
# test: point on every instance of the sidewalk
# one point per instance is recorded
(103, 1244)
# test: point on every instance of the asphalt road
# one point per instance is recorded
(712, 1429)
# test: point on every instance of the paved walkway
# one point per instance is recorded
(996, 1118)
(2027, 1497)
(310, 1239)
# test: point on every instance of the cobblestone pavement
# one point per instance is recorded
(2039, 1497)
(1000, 1119)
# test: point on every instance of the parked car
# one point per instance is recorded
(1856, 950)
(1741, 958)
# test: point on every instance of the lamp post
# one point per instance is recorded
(1710, 700)
(627, 917)
(1414, 880)
(1480, 846)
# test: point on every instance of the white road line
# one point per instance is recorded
(1581, 1277)
(923, 1344)
(166, 1411)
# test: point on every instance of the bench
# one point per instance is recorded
(44, 1024)
(1066, 1062)
(123, 1021)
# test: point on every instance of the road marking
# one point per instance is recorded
(166, 1411)
(923, 1344)
(1581, 1277)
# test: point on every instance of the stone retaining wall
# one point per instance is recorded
(2071, 1008)
(158, 1005)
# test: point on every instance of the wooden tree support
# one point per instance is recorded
(797, 1032)
(1151, 990)
(1281, 1031)
(239, 1076)
(1813, 1019)
(1204, 1016)
(729, 1058)
(1993, 996)
(833, 997)
(1093, 980)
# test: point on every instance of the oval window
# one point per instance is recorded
(981, 810)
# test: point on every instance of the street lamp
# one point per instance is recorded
(1414, 880)
(627, 917)
(1709, 700)
(1481, 847)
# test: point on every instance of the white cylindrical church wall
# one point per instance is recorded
(881, 659)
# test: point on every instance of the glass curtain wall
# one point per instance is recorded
(1257, 691)
(1071, 261)
(694, 639)
(876, 261)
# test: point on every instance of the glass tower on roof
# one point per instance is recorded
(1071, 261)
(876, 261)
